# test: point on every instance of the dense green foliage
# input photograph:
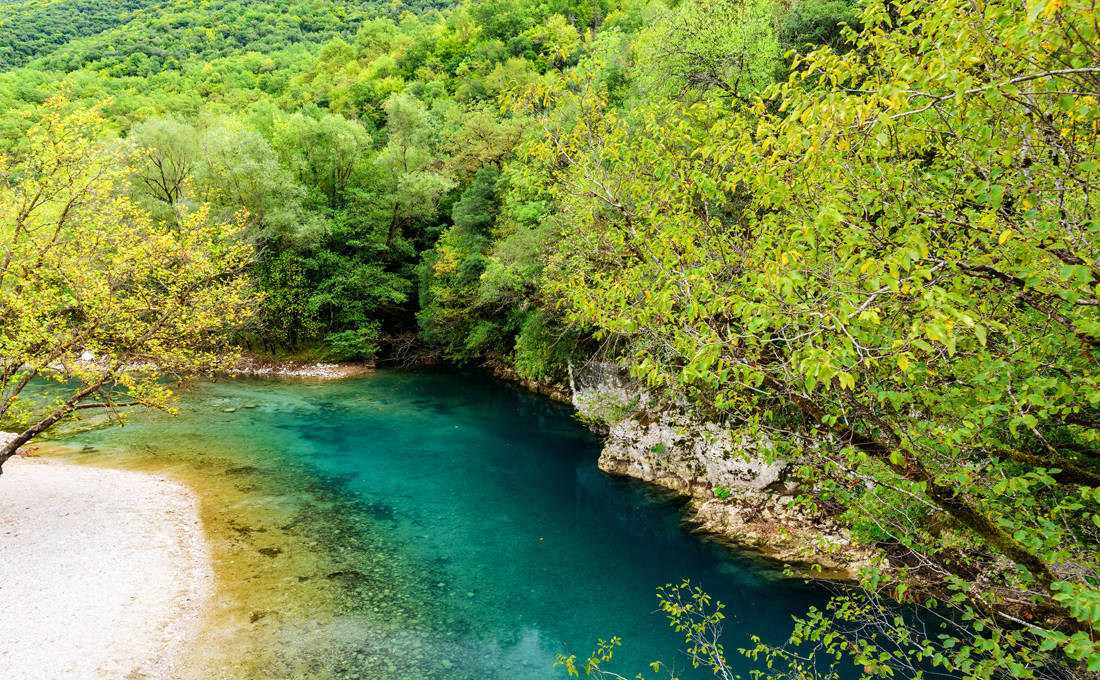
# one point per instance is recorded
(95, 292)
(888, 265)
(353, 159)
(866, 233)
(28, 29)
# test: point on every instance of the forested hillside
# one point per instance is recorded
(28, 29)
(868, 233)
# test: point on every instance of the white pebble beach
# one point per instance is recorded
(103, 573)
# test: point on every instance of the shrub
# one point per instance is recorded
(354, 345)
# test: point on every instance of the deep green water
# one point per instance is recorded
(426, 525)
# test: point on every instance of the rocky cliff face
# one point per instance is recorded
(667, 445)
(736, 485)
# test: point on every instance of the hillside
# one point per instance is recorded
(166, 36)
(32, 28)
(143, 37)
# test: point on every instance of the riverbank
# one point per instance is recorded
(256, 365)
(103, 573)
(503, 371)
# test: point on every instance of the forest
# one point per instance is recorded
(867, 231)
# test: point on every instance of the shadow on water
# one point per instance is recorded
(408, 525)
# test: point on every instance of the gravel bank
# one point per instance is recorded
(298, 369)
(102, 572)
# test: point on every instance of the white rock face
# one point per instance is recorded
(669, 445)
(677, 448)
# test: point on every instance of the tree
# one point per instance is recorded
(888, 266)
(167, 153)
(474, 137)
(818, 22)
(451, 271)
(322, 151)
(413, 171)
(285, 316)
(238, 169)
(94, 294)
(728, 45)
(556, 38)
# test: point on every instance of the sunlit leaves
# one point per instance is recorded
(96, 294)
(905, 252)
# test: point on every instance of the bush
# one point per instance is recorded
(355, 345)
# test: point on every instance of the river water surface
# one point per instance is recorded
(406, 525)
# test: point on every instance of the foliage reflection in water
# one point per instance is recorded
(424, 525)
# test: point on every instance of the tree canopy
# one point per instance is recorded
(888, 264)
(94, 293)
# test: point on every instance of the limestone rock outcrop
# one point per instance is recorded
(736, 485)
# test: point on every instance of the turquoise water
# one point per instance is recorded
(427, 525)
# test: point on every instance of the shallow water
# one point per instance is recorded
(437, 524)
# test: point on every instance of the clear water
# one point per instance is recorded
(410, 525)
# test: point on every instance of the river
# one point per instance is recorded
(426, 524)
